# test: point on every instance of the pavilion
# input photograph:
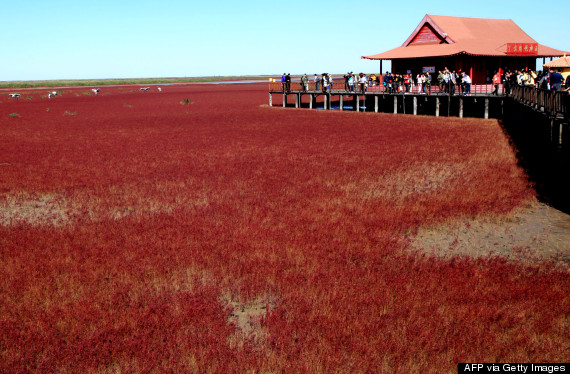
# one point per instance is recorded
(561, 64)
(478, 46)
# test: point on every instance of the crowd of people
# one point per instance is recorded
(546, 80)
(447, 81)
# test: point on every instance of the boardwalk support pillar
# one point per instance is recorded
(460, 107)
(375, 104)
(284, 100)
(486, 108)
(437, 106)
(395, 104)
(270, 99)
(415, 106)
(341, 101)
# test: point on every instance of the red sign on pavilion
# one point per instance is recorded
(522, 48)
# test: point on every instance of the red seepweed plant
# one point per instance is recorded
(240, 238)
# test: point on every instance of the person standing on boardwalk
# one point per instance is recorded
(556, 80)
(427, 82)
(362, 82)
(467, 83)
(446, 80)
(317, 81)
(284, 82)
(453, 82)
(304, 83)
(440, 80)
(288, 82)
(496, 82)
(407, 79)
(420, 82)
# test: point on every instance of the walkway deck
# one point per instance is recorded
(438, 104)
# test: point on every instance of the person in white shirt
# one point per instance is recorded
(467, 83)
(363, 81)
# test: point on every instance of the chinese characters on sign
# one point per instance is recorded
(522, 48)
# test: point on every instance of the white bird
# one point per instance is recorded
(145, 88)
(14, 95)
(52, 94)
(159, 89)
(95, 90)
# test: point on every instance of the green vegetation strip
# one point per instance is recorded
(102, 82)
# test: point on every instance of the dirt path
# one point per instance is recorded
(536, 232)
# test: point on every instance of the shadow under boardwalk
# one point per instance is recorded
(542, 146)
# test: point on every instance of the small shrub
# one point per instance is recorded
(14, 115)
(186, 102)
(69, 113)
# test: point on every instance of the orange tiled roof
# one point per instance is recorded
(563, 62)
(447, 36)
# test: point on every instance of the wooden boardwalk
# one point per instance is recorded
(438, 104)
(480, 103)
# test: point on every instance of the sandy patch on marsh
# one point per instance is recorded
(535, 232)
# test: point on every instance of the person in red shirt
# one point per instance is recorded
(496, 82)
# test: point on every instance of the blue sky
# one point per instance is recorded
(64, 39)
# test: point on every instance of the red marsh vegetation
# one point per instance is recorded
(143, 232)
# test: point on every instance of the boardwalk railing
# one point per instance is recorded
(553, 103)
(339, 87)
